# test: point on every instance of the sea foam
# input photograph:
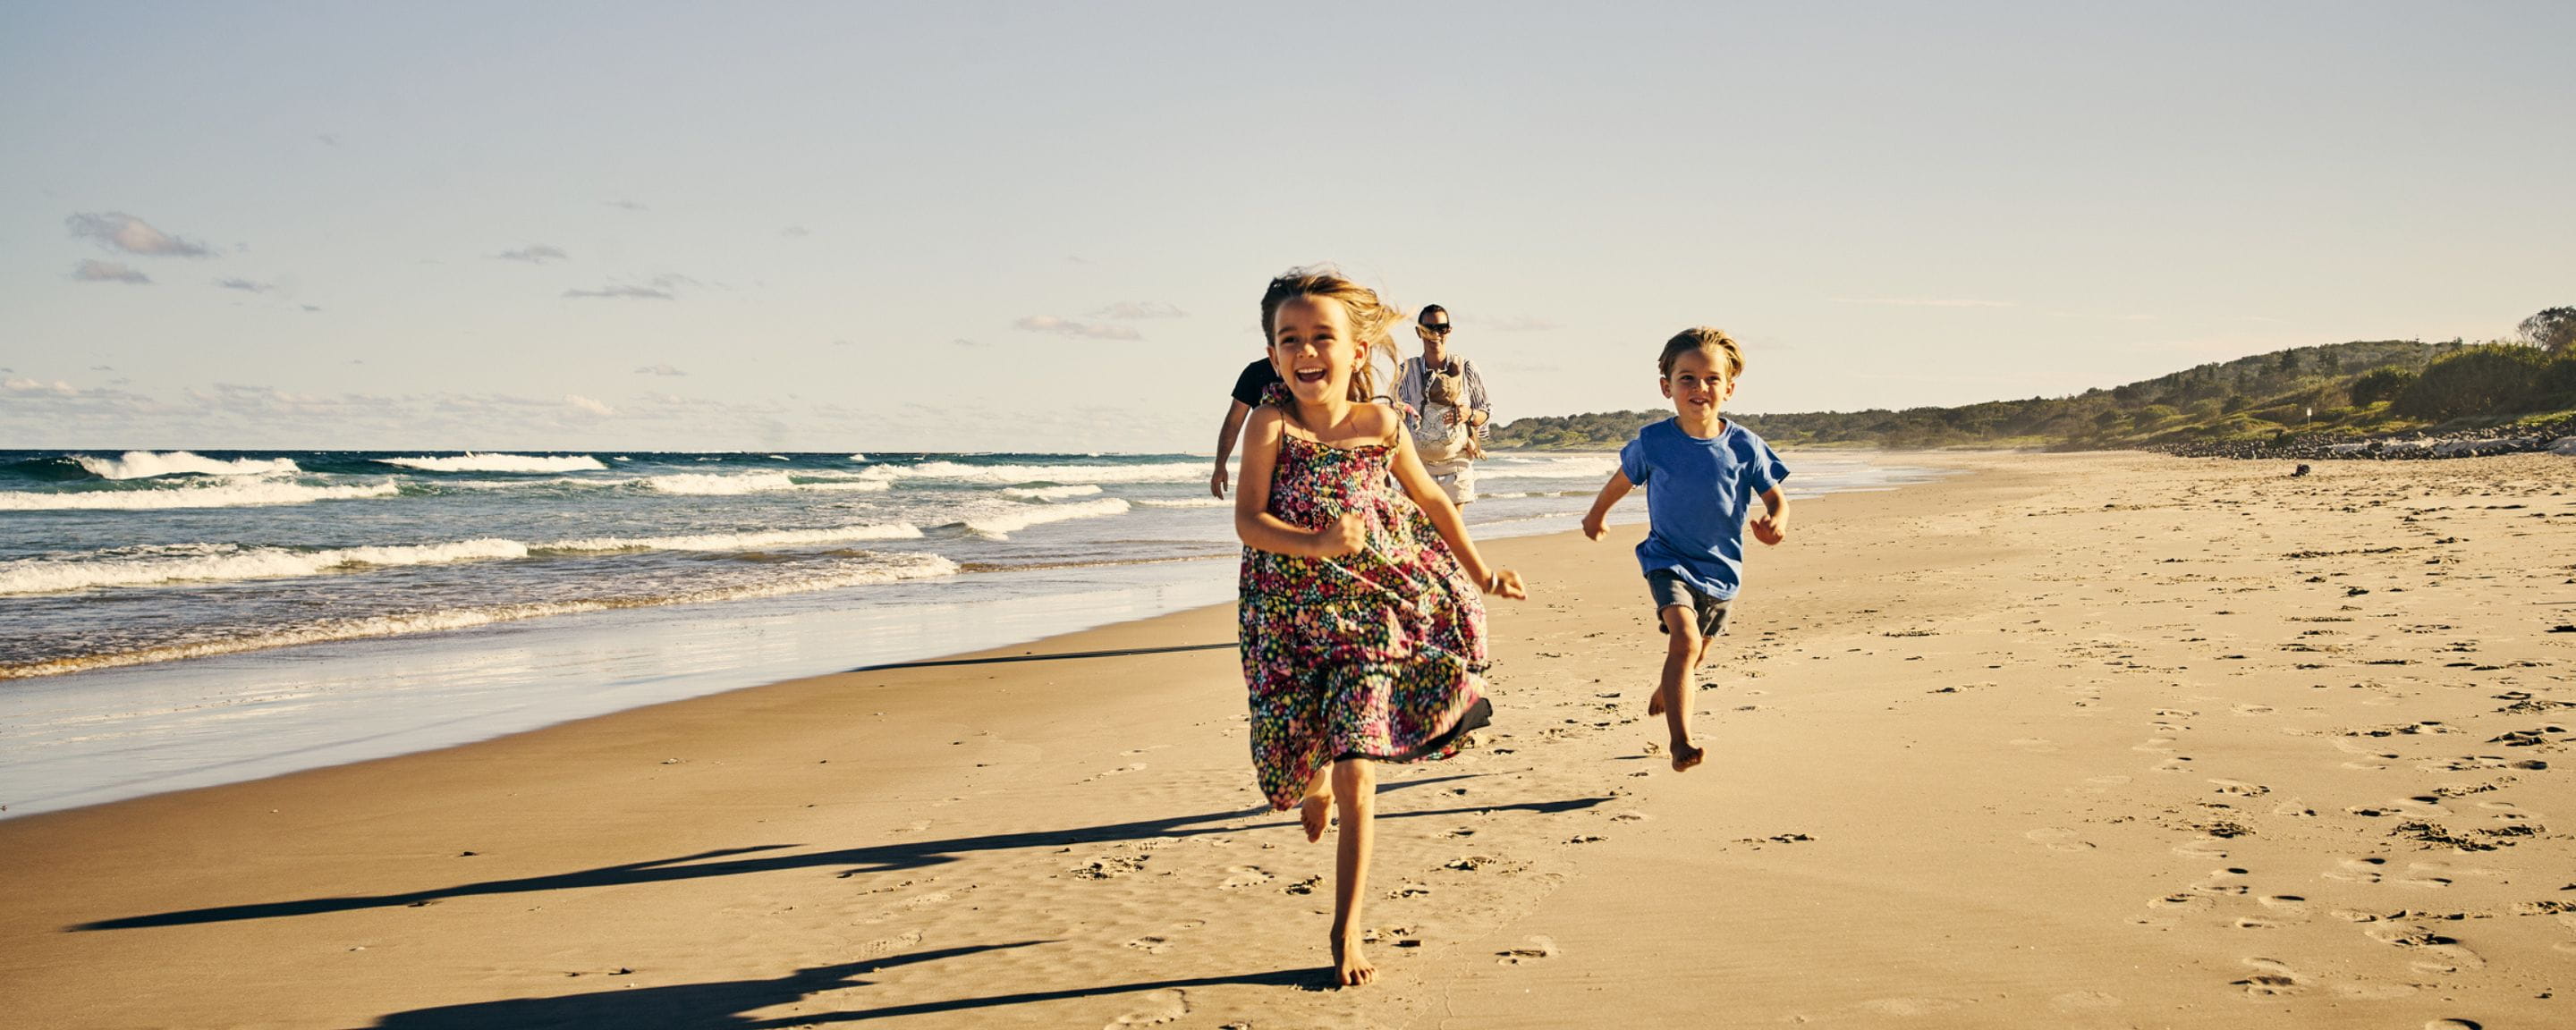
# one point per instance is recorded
(874, 568)
(224, 495)
(224, 562)
(735, 541)
(1050, 493)
(472, 462)
(1165, 472)
(998, 525)
(148, 464)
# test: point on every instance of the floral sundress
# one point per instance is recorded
(1376, 654)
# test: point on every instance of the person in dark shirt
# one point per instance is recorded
(1256, 378)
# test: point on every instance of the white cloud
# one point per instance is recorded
(244, 285)
(17, 385)
(1075, 327)
(1129, 310)
(534, 253)
(92, 270)
(659, 370)
(117, 230)
(589, 405)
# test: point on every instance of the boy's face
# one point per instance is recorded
(1698, 384)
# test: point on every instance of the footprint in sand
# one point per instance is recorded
(2057, 839)
(2154, 745)
(1532, 949)
(2253, 709)
(2203, 847)
(2287, 903)
(2357, 870)
(2454, 1024)
(2436, 953)
(2271, 979)
(1154, 1009)
(2241, 788)
(1156, 944)
(1238, 877)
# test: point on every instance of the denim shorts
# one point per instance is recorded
(1669, 589)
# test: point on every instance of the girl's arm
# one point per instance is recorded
(1426, 495)
(1253, 522)
(1611, 492)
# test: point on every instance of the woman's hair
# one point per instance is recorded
(1702, 337)
(1371, 317)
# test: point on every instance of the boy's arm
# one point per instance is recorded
(1773, 526)
(1253, 522)
(1611, 492)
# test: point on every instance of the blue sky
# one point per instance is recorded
(1024, 227)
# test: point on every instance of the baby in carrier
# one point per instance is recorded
(1445, 437)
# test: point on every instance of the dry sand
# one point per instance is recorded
(2071, 741)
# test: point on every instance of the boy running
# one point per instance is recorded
(1701, 473)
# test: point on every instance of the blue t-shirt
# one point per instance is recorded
(1697, 494)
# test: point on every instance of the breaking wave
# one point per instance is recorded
(1167, 472)
(880, 568)
(221, 562)
(149, 464)
(472, 462)
(223, 495)
(734, 541)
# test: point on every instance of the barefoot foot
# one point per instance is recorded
(1316, 814)
(1685, 756)
(1351, 967)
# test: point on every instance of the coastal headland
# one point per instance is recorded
(2075, 740)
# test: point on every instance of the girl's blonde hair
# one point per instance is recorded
(1371, 318)
(1703, 337)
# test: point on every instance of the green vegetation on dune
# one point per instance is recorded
(2346, 389)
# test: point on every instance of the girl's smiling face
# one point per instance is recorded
(1313, 348)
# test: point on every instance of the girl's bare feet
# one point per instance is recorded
(1685, 756)
(1316, 812)
(1351, 968)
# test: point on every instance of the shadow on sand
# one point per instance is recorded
(733, 861)
(721, 1005)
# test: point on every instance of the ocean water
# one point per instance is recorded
(175, 619)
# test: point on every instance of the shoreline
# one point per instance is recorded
(108, 733)
(1942, 740)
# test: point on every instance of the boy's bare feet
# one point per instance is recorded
(1351, 968)
(1685, 756)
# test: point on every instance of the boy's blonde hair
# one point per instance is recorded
(1703, 337)
(1370, 315)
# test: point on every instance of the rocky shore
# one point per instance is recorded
(2557, 436)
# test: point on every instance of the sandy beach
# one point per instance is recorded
(2096, 740)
